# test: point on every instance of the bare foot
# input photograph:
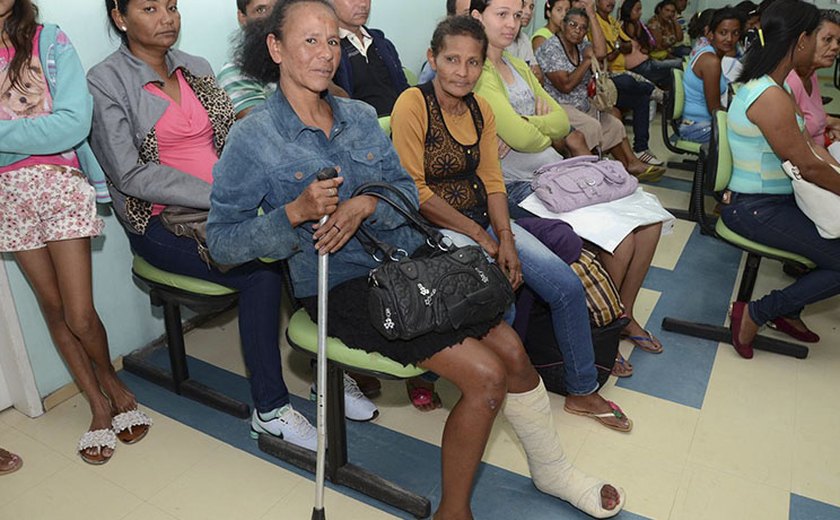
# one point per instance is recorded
(622, 367)
(594, 403)
(609, 497)
(122, 399)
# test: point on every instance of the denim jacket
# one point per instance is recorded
(68, 125)
(270, 158)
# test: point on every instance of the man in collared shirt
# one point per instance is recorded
(370, 67)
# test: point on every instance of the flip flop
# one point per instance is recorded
(625, 370)
(651, 174)
(421, 397)
(649, 343)
(616, 412)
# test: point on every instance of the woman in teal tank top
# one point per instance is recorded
(703, 82)
(763, 131)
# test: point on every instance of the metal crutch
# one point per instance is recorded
(318, 512)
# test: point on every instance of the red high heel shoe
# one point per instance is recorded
(783, 325)
(745, 350)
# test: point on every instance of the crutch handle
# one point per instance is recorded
(330, 172)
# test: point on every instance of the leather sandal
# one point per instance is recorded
(131, 426)
(99, 439)
(9, 462)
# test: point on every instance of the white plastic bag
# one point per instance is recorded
(606, 224)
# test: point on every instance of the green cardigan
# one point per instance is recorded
(529, 134)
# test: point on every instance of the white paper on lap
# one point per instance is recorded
(606, 224)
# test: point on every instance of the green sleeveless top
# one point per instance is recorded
(544, 32)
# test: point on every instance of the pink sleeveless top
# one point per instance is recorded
(30, 100)
(185, 135)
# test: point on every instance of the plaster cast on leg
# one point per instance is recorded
(530, 415)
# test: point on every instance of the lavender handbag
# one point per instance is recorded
(582, 181)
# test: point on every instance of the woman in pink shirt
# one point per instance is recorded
(823, 128)
(160, 123)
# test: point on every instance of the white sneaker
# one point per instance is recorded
(658, 95)
(286, 423)
(357, 407)
(647, 157)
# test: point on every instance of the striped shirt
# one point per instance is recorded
(244, 91)
(755, 166)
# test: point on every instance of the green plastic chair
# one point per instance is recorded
(410, 76)
(715, 176)
(671, 116)
(302, 335)
(171, 291)
(385, 125)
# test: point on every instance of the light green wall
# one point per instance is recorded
(207, 26)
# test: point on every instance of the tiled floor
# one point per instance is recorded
(716, 437)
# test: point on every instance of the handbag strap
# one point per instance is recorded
(433, 237)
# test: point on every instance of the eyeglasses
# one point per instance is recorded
(576, 25)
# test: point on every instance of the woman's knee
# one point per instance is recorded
(485, 382)
(81, 322)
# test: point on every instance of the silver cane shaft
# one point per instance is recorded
(321, 405)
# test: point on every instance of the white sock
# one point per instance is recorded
(530, 415)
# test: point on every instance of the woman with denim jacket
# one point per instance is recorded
(160, 122)
(48, 214)
(271, 161)
(765, 128)
(461, 190)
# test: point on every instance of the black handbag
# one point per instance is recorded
(440, 288)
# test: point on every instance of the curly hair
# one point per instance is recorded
(251, 53)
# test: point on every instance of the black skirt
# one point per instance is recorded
(348, 320)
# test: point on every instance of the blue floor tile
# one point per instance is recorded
(404, 460)
(704, 274)
(802, 508)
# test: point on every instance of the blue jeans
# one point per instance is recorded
(635, 95)
(776, 221)
(658, 71)
(555, 282)
(698, 132)
(259, 285)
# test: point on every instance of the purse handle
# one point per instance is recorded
(434, 238)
